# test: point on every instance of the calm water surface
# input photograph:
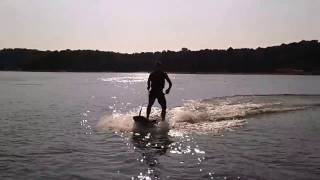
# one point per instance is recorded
(79, 126)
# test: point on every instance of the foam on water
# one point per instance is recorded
(212, 115)
(117, 122)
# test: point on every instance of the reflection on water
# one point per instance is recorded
(150, 142)
(130, 78)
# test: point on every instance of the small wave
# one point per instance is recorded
(207, 127)
(216, 114)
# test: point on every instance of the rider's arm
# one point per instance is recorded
(170, 83)
(149, 82)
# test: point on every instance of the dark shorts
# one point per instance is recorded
(159, 95)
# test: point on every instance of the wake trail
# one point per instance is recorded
(214, 115)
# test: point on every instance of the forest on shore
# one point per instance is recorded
(294, 58)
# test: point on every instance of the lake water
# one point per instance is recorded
(79, 126)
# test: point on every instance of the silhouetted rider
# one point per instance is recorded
(156, 81)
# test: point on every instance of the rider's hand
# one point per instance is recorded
(167, 91)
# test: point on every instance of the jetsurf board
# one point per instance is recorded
(144, 120)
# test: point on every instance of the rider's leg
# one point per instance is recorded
(163, 103)
(150, 103)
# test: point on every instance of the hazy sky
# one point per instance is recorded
(156, 25)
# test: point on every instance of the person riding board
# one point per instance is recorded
(156, 81)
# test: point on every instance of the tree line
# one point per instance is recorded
(295, 58)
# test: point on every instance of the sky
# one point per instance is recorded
(156, 25)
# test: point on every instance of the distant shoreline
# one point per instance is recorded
(298, 58)
(201, 73)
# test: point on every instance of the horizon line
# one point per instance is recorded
(167, 50)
